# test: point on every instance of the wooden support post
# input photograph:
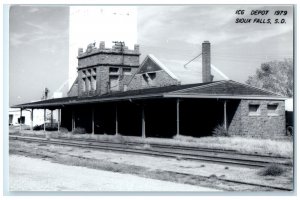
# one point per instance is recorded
(117, 125)
(44, 120)
(31, 118)
(58, 119)
(143, 123)
(73, 121)
(21, 119)
(93, 121)
(225, 115)
(177, 117)
(51, 119)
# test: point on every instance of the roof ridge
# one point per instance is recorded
(165, 68)
(137, 71)
(76, 80)
(247, 85)
(201, 86)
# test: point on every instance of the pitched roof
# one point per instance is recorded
(159, 66)
(218, 89)
(228, 88)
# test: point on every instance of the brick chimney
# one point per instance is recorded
(206, 69)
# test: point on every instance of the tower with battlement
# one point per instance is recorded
(105, 70)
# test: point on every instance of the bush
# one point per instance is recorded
(219, 131)
(63, 130)
(49, 127)
(79, 130)
(38, 127)
(272, 170)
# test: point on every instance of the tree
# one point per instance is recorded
(275, 76)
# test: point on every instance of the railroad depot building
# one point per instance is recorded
(115, 94)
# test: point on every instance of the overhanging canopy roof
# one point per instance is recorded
(219, 89)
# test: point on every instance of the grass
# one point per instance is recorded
(282, 148)
(146, 146)
(242, 144)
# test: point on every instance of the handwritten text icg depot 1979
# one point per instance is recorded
(260, 16)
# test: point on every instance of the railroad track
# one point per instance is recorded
(170, 146)
(177, 152)
(185, 148)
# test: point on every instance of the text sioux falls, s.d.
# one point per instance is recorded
(260, 17)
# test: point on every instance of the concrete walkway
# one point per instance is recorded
(29, 174)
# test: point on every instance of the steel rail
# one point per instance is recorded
(182, 148)
(151, 152)
(179, 147)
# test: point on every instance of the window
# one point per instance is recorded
(272, 109)
(21, 120)
(149, 79)
(114, 83)
(94, 85)
(254, 109)
(127, 71)
(11, 117)
(113, 70)
(89, 80)
(94, 71)
(145, 76)
(152, 75)
(83, 73)
(88, 84)
(89, 72)
(83, 85)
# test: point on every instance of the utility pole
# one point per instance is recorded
(45, 95)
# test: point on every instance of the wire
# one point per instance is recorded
(191, 60)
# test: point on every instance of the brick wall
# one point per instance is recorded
(109, 58)
(235, 127)
(102, 79)
(73, 90)
(127, 79)
(161, 79)
(264, 123)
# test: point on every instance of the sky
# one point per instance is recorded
(39, 43)
(174, 35)
(89, 24)
(38, 51)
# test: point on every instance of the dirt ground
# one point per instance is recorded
(31, 174)
(175, 170)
